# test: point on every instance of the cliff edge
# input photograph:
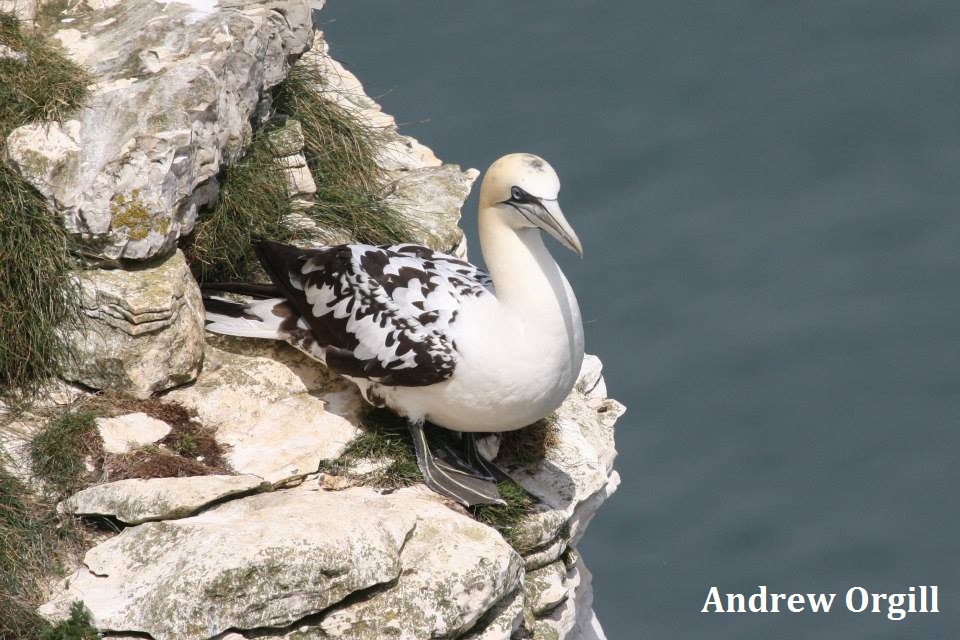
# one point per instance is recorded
(305, 528)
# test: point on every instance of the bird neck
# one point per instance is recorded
(525, 275)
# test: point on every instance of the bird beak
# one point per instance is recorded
(550, 218)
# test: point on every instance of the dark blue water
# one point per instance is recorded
(768, 197)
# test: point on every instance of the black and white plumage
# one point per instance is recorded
(378, 313)
(426, 334)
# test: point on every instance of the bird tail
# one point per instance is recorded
(272, 318)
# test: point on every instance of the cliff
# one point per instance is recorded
(295, 520)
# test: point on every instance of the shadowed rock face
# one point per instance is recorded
(175, 89)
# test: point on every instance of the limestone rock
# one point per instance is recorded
(6, 53)
(279, 412)
(294, 554)
(137, 500)
(545, 588)
(176, 86)
(453, 570)
(573, 618)
(126, 432)
(299, 179)
(25, 10)
(590, 382)
(430, 198)
(143, 331)
(286, 139)
(502, 621)
(421, 188)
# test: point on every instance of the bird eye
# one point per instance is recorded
(516, 193)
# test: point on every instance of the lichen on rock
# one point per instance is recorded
(174, 93)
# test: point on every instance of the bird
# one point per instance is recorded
(433, 337)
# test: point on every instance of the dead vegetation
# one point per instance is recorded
(190, 449)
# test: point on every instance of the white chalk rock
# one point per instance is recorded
(453, 570)
(502, 621)
(137, 500)
(262, 561)
(545, 588)
(292, 557)
(143, 328)
(124, 433)
(573, 618)
(176, 84)
(278, 412)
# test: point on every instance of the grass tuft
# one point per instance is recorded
(384, 436)
(77, 627)
(32, 539)
(507, 518)
(341, 152)
(59, 451)
(38, 297)
(47, 86)
(253, 203)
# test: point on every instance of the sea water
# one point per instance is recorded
(767, 194)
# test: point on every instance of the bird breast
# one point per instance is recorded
(514, 368)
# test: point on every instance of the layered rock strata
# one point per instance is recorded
(142, 330)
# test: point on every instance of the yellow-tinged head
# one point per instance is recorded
(521, 190)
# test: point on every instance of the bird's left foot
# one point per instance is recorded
(465, 481)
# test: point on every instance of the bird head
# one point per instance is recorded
(521, 189)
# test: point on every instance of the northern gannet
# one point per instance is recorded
(433, 337)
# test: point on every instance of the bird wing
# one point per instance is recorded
(377, 312)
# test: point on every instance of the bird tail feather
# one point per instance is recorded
(272, 318)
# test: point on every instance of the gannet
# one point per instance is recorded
(431, 336)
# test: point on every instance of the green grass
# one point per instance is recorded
(32, 537)
(37, 297)
(59, 450)
(47, 87)
(507, 518)
(341, 152)
(253, 203)
(76, 627)
(384, 436)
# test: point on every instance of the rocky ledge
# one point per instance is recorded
(282, 549)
